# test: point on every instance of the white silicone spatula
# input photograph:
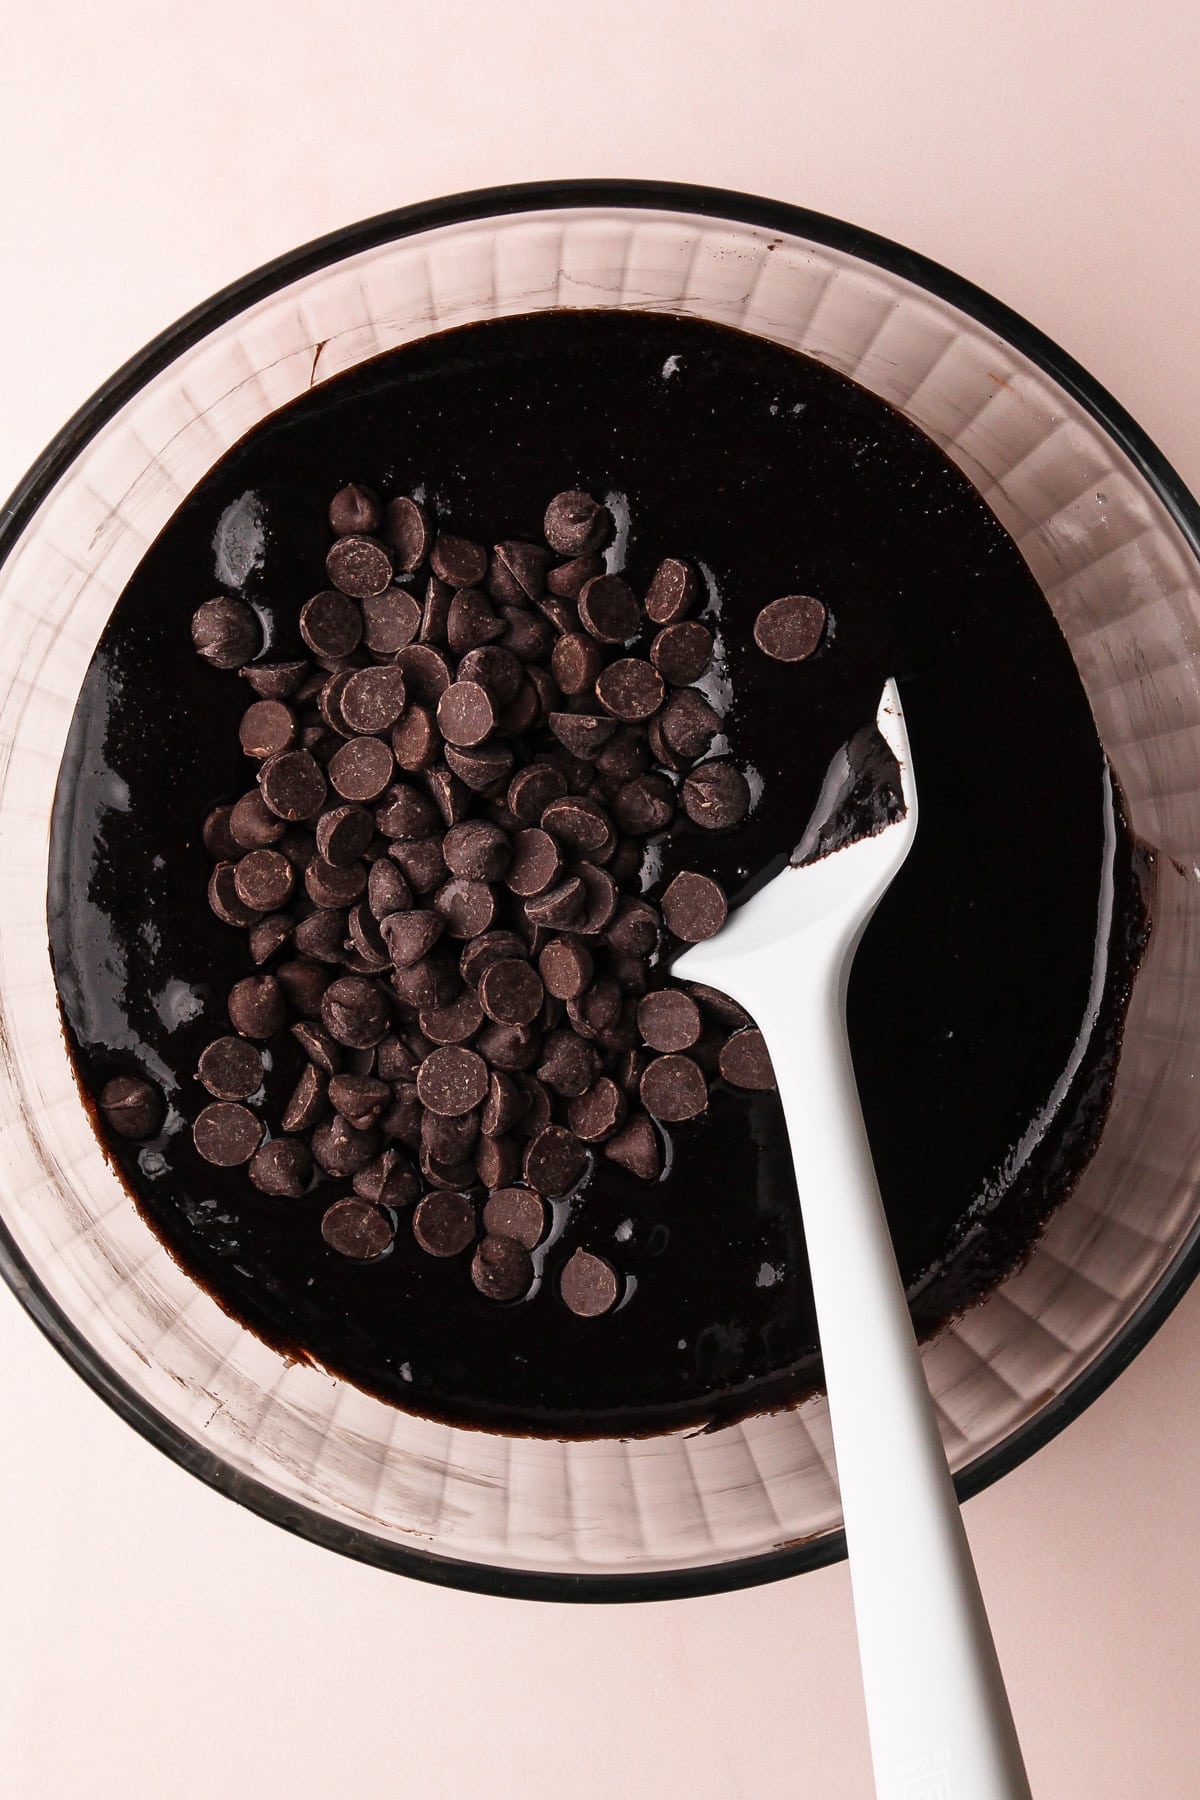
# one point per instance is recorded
(938, 1714)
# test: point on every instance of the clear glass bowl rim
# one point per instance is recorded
(481, 203)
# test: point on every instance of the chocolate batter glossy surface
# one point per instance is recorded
(986, 1000)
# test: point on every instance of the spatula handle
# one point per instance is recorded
(938, 1713)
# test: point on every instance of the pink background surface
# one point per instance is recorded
(156, 1640)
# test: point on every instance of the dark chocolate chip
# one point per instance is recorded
(274, 681)
(505, 1104)
(569, 579)
(132, 1106)
(575, 662)
(694, 907)
(354, 1011)
(681, 653)
(331, 624)
(600, 897)
(580, 825)
(343, 833)
(405, 812)
(471, 622)
(252, 824)
(452, 1080)
(583, 734)
(226, 1134)
(373, 699)
(716, 795)
(318, 1046)
(790, 629)
(566, 968)
(268, 936)
(230, 1068)
(502, 585)
(559, 908)
(636, 1148)
(225, 632)
(595, 1115)
(644, 805)
(625, 756)
(453, 1021)
(555, 1162)
(458, 560)
(589, 1285)
(267, 727)
(256, 1006)
(466, 908)
(421, 863)
(672, 591)
(511, 992)
(224, 898)
(353, 509)
(341, 1148)
(497, 1161)
(484, 768)
(264, 880)
(477, 849)
(509, 1047)
(535, 865)
(517, 1213)
(390, 1180)
(631, 689)
(292, 785)
(282, 1168)
(449, 1140)
(569, 1066)
(359, 1098)
(634, 928)
(390, 621)
(483, 951)
(688, 723)
(609, 609)
(327, 885)
(669, 1020)
(435, 615)
(426, 674)
(394, 1060)
(466, 714)
(402, 1120)
(725, 1011)
(361, 769)
(501, 1269)
(387, 890)
(358, 1230)
(527, 564)
(527, 635)
(745, 1061)
(322, 936)
(359, 566)
(673, 1088)
(218, 838)
(444, 1224)
(409, 530)
(531, 790)
(416, 741)
(575, 524)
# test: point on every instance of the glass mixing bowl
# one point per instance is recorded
(1111, 535)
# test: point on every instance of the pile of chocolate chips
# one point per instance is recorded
(439, 871)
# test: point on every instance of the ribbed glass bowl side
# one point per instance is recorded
(1123, 580)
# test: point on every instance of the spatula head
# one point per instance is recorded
(859, 835)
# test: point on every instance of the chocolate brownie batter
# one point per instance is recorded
(988, 995)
